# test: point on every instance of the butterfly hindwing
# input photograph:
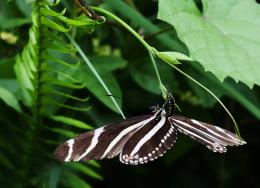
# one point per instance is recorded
(149, 142)
(96, 144)
(215, 138)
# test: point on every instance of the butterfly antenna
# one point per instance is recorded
(177, 107)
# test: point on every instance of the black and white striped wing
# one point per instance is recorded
(149, 142)
(104, 142)
(215, 138)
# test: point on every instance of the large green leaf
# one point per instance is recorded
(139, 20)
(224, 38)
(238, 92)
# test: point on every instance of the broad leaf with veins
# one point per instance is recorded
(224, 38)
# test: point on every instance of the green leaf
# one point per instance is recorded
(24, 7)
(66, 133)
(83, 22)
(9, 99)
(143, 74)
(72, 122)
(65, 95)
(93, 163)
(238, 92)
(11, 85)
(104, 65)
(108, 63)
(54, 25)
(22, 75)
(80, 21)
(86, 170)
(49, 12)
(61, 47)
(11, 19)
(28, 59)
(54, 176)
(224, 38)
(179, 56)
(63, 83)
(144, 79)
(168, 57)
(244, 96)
(74, 181)
(14, 22)
(48, 100)
(138, 20)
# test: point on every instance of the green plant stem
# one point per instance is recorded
(125, 25)
(153, 51)
(212, 94)
(150, 49)
(92, 68)
(163, 89)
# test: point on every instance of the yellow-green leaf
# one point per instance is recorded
(71, 122)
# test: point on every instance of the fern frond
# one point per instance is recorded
(81, 109)
(71, 97)
(72, 122)
(66, 64)
(45, 89)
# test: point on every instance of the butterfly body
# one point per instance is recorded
(141, 139)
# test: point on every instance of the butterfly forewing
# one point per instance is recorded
(104, 142)
(215, 138)
(149, 142)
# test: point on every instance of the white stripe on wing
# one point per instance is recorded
(233, 139)
(70, 144)
(149, 135)
(93, 143)
(198, 130)
(126, 131)
(214, 146)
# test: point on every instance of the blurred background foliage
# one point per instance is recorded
(48, 94)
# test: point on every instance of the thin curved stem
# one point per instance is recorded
(153, 51)
(114, 17)
(212, 94)
(150, 49)
(92, 68)
(162, 87)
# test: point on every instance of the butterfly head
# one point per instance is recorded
(169, 104)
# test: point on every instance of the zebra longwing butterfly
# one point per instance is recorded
(141, 139)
